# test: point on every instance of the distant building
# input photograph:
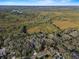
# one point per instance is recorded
(16, 11)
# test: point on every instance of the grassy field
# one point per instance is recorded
(67, 24)
(44, 21)
(39, 18)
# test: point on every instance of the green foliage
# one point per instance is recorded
(13, 39)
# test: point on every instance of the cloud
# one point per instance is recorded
(45, 2)
(38, 2)
(54, 1)
(65, 1)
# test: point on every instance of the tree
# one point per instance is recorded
(24, 29)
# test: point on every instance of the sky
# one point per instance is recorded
(39, 2)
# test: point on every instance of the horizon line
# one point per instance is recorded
(39, 5)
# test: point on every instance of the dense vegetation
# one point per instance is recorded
(57, 26)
